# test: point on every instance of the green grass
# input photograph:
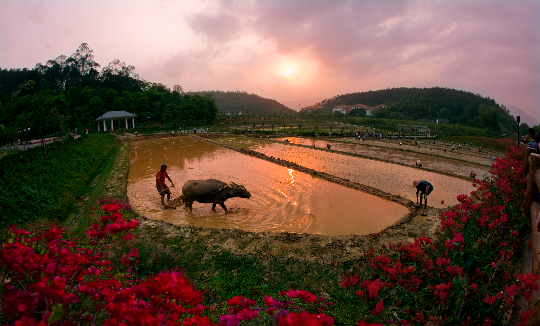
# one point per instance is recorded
(6, 152)
(222, 275)
(34, 186)
(93, 192)
(502, 144)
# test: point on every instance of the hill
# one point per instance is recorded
(246, 103)
(457, 106)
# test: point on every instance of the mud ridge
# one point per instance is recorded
(383, 160)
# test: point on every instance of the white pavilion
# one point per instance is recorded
(115, 115)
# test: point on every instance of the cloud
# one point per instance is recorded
(220, 28)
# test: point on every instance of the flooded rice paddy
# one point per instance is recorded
(390, 178)
(446, 165)
(282, 199)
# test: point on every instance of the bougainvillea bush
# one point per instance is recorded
(51, 279)
(469, 275)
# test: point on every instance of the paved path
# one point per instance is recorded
(37, 142)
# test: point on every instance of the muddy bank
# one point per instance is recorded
(304, 247)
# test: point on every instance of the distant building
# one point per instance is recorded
(361, 106)
(115, 115)
(425, 120)
(239, 112)
(228, 113)
(442, 120)
(342, 108)
(368, 109)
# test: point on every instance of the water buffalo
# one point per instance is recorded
(211, 191)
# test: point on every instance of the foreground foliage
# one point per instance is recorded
(53, 279)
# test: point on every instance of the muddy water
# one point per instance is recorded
(437, 163)
(390, 178)
(282, 199)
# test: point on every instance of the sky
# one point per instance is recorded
(293, 49)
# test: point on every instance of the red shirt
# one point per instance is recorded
(160, 178)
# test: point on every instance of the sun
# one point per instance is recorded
(288, 71)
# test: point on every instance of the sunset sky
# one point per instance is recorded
(293, 50)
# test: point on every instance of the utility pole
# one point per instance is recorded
(518, 118)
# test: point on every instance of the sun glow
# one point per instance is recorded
(298, 70)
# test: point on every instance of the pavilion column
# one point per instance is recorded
(132, 122)
(126, 123)
(104, 126)
(98, 126)
(112, 126)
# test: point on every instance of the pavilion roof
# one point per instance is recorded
(116, 115)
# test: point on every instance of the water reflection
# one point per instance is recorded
(388, 177)
(436, 163)
(282, 199)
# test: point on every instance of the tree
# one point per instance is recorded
(178, 89)
(443, 113)
(26, 88)
(83, 59)
(488, 117)
(118, 68)
(118, 104)
(357, 112)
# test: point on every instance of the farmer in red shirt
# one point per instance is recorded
(160, 183)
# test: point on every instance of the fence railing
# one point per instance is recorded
(531, 209)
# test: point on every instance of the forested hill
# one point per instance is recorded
(431, 103)
(236, 101)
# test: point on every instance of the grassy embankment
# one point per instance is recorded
(36, 186)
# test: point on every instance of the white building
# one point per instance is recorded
(342, 108)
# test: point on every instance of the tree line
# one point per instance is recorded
(459, 107)
(71, 92)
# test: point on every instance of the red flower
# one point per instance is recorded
(379, 307)
(307, 319)
(374, 287)
(247, 314)
(229, 320)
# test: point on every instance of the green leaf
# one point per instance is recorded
(469, 260)
(118, 276)
(57, 313)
